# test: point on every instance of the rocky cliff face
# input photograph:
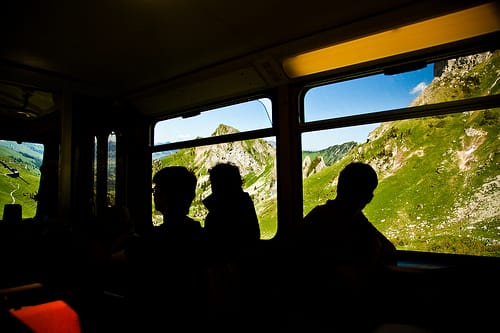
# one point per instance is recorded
(459, 65)
(311, 167)
(254, 158)
(250, 156)
(458, 78)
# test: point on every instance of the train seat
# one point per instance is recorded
(51, 317)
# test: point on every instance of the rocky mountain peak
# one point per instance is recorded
(459, 65)
(223, 129)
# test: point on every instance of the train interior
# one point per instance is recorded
(73, 72)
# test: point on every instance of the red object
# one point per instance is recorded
(51, 317)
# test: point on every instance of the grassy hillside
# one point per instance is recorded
(21, 187)
(438, 186)
(331, 154)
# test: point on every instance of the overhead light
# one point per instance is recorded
(472, 22)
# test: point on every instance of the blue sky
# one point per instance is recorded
(363, 95)
(244, 117)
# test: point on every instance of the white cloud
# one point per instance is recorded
(418, 88)
(184, 137)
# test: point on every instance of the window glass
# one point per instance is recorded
(20, 175)
(439, 181)
(256, 160)
(453, 79)
(94, 176)
(255, 157)
(111, 180)
(247, 116)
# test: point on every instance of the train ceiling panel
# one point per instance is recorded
(122, 49)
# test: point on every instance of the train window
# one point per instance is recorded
(384, 92)
(247, 116)
(94, 175)
(368, 94)
(111, 169)
(104, 169)
(20, 176)
(439, 181)
(241, 134)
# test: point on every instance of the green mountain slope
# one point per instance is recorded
(439, 182)
(331, 154)
(20, 175)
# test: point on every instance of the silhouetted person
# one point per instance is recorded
(169, 270)
(341, 226)
(345, 253)
(231, 219)
(232, 229)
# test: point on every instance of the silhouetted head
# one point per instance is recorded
(357, 181)
(225, 177)
(174, 190)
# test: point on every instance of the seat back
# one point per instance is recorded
(51, 317)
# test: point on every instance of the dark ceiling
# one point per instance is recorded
(117, 48)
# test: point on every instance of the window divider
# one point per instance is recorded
(471, 104)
